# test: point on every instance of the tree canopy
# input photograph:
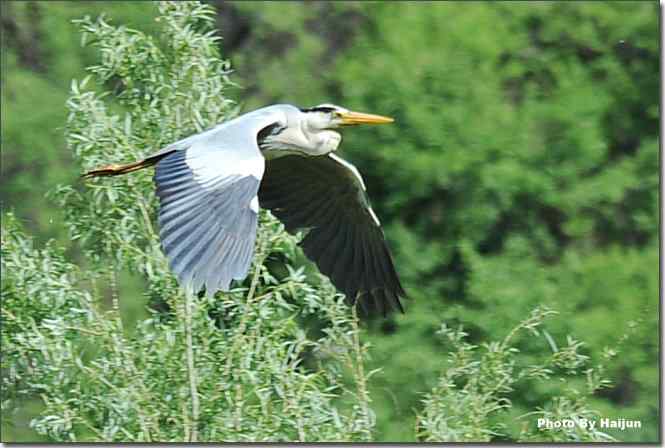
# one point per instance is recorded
(518, 189)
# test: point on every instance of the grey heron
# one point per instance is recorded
(210, 186)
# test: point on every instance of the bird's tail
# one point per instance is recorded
(117, 170)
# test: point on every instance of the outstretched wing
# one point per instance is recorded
(207, 187)
(326, 196)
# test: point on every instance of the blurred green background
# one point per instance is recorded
(522, 168)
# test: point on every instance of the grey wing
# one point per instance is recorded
(207, 223)
(207, 186)
(326, 196)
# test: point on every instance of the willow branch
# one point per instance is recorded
(191, 368)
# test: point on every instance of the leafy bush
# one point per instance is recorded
(517, 210)
(232, 368)
(470, 402)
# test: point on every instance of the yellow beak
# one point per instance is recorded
(351, 118)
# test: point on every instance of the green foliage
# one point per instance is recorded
(97, 384)
(223, 369)
(521, 171)
(41, 53)
(470, 402)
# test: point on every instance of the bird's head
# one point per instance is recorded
(312, 131)
(319, 122)
(330, 116)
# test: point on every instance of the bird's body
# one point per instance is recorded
(280, 157)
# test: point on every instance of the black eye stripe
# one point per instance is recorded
(324, 109)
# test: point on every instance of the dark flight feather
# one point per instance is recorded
(324, 197)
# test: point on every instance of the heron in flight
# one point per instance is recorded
(282, 158)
